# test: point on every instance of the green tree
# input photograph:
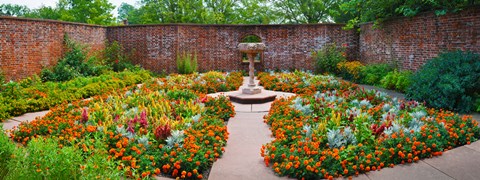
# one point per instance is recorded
(83, 11)
(130, 13)
(13, 10)
(220, 11)
(172, 11)
(339, 15)
(255, 12)
(44, 12)
(377, 11)
(198, 11)
(304, 11)
(86, 11)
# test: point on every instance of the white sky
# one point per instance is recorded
(33, 4)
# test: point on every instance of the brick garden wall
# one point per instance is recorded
(288, 46)
(28, 45)
(410, 42)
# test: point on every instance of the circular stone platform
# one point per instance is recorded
(260, 98)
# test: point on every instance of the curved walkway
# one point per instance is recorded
(248, 132)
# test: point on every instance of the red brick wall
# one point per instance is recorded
(410, 42)
(28, 45)
(288, 46)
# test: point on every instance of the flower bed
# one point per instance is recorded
(163, 127)
(301, 82)
(347, 131)
(30, 95)
(209, 82)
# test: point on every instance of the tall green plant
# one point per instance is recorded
(2, 77)
(327, 58)
(116, 57)
(7, 148)
(373, 73)
(186, 64)
(397, 80)
(74, 64)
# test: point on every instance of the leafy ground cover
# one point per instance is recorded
(167, 126)
(31, 95)
(344, 130)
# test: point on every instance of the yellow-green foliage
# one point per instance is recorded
(186, 64)
(350, 69)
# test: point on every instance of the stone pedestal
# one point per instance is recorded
(251, 90)
(252, 87)
(251, 49)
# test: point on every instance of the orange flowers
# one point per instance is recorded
(91, 129)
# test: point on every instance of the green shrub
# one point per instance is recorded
(350, 70)
(73, 64)
(7, 148)
(186, 64)
(184, 94)
(449, 81)
(373, 73)
(397, 80)
(327, 58)
(43, 159)
(30, 81)
(30, 95)
(116, 57)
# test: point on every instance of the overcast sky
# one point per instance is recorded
(33, 4)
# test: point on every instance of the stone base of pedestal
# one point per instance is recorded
(251, 90)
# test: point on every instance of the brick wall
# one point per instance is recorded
(28, 45)
(410, 42)
(288, 46)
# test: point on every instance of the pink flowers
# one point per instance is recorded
(143, 119)
(131, 125)
(377, 130)
(84, 116)
(162, 132)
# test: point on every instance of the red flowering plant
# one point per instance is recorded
(348, 131)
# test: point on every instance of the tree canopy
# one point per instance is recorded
(83, 11)
(351, 12)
